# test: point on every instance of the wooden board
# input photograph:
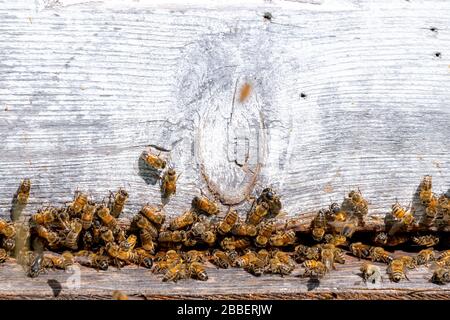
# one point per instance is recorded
(346, 94)
(139, 283)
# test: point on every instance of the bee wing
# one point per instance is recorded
(338, 226)
(395, 227)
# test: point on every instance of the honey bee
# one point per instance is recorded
(51, 237)
(227, 223)
(169, 183)
(303, 253)
(119, 295)
(319, 225)
(154, 214)
(441, 276)
(147, 241)
(24, 191)
(143, 224)
(107, 235)
(426, 241)
(279, 267)
(71, 240)
(118, 203)
(258, 213)
(52, 260)
(129, 243)
(339, 255)
(256, 267)
(154, 161)
(194, 256)
(190, 240)
(7, 229)
(36, 266)
(327, 257)
(379, 254)
(360, 250)
(209, 237)
(145, 258)
(245, 92)
(230, 243)
(425, 193)
(3, 255)
(444, 204)
(176, 272)
(408, 262)
(204, 205)
(93, 260)
(404, 217)
(424, 257)
(396, 270)
(183, 221)
(314, 269)
(244, 229)
(264, 255)
(196, 270)
(432, 208)
(172, 236)
(80, 200)
(108, 220)
(269, 196)
(87, 215)
(358, 203)
(221, 259)
(444, 255)
(284, 257)
(281, 239)
(245, 259)
(336, 213)
(345, 228)
(336, 240)
(371, 273)
(264, 234)
(44, 216)
(382, 238)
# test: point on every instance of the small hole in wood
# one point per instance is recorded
(303, 95)
(268, 16)
(437, 54)
(433, 29)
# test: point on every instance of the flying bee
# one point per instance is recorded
(424, 257)
(51, 237)
(154, 214)
(108, 220)
(327, 257)
(87, 216)
(382, 238)
(144, 224)
(154, 161)
(426, 241)
(169, 183)
(404, 217)
(380, 255)
(258, 213)
(227, 223)
(360, 250)
(336, 240)
(319, 225)
(36, 266)
(441, 276)
(176, 272)
(281, 239)
(172, 236)
(231, 243)
(264, 234)
(396, 270)
(204, 205)
(7, 229)
(425, 193)
(269, 196)
(196, 270)
(370, 273)
(221, 259)
(71, 240)
(80, 200)
(183, 221)
(119, 295)
(129, 243)
(314, 269)
(118, 202)
(336, 213)
(23, 192)
(244, 229)
(44, 216)
(409, 262)
(245, 92)
(358, 203)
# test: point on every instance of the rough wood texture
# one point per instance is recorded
(346, 94)
(344, 283)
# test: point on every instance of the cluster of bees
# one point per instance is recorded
(88, 233)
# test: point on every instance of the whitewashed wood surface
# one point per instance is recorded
(85, 85)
